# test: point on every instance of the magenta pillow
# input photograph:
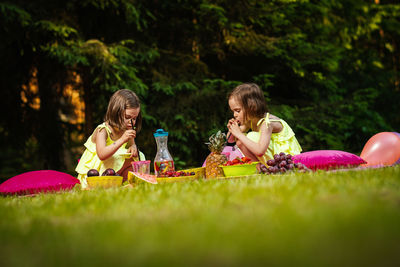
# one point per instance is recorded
(38, 182)
(230, 152)
(328, 159)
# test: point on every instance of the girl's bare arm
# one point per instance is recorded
(105, 151)
(256, 148)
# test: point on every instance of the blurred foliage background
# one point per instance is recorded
(329, 68)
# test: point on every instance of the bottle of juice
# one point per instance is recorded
(163, 161)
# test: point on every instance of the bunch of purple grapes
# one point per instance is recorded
(282, 163)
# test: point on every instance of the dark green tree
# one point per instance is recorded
(329, 68)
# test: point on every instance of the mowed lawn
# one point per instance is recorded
(345, 218)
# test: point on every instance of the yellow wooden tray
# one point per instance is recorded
(231, 177)
(104, 181)
(176, 179)
(198, 174)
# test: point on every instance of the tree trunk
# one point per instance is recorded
(50, 134)
(88, 100)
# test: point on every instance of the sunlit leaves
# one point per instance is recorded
(13, 14)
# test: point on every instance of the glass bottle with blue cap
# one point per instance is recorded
(163, 161)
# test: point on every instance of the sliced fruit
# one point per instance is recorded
(135, 177)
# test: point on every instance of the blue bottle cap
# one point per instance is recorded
(160, 132)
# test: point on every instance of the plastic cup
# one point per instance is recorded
(141, 166)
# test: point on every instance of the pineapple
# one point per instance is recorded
(216, 145)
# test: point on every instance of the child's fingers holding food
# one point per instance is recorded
(235, 129)
(128, 134)
(230, 122)
(131, 133)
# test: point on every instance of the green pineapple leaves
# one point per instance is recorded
(217, 142)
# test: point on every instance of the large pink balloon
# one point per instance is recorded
(398, 161)
(382, 149)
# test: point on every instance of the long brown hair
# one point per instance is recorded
(119, 102)
(251, 98)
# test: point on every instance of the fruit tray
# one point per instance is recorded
(197, 173)
(162, 180)
(136, 178)
(104, 181)
(240, 169)
(232, 177)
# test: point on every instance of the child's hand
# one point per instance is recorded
(128, 134)
(232, 121)
(133, 150)
(230, 136)
(234, 128)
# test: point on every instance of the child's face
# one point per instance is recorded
(237, 109)
(131, 115)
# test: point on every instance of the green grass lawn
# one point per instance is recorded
(347, 218)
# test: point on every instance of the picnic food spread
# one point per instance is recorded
(216, 164)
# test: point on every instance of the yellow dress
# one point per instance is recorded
(284, 141)
(90, 160)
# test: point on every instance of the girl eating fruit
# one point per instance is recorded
(112, 144)
(269, 134)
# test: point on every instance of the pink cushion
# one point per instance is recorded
(328, 159)
(38, 182)
(230, 152)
